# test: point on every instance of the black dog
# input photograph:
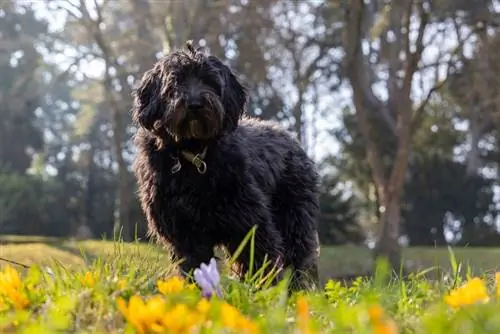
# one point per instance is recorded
(207, 174)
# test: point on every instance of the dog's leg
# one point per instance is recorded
(268, 243)
(303, 244)
(164, 226)
(306, 271)
(192, 254)
(268, 250)
(296, 210)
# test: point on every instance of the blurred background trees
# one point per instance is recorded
(397, 101)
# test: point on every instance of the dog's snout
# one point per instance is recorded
(194, 103)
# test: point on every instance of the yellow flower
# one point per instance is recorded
(375, 312)
(233, 319)
(180, 319)
(154, 316)
(381, 324)
(143, 316)
(12, 289)
(386, 327)
(89, 279)
(229, 315)
(248, 326)
(3, 305)
(302, 309)
(17, 298)
(472, 292)
(302, 313)
(497, 284)
(10, 279)
(173, 285)
(203, 306)
(122, 284)
(127, 311)
(154, 310)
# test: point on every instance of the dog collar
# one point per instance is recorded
(195, 159)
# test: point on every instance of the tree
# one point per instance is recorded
(442, 196)
(474, 88)
(8, 202)
(20, 87)
(388, 52)
(106, 32)
(338, 222)
(304, 62)
(31, 205)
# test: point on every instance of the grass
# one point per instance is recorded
(335, 262)
(76, 286)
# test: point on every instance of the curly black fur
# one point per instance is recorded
(257, 174)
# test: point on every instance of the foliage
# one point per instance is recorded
(130, 290)
(441, 195)
(338, 223)
(34, 202)
(20, 86)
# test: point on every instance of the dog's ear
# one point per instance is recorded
(234, 97)
(234, 94)
(148, 104)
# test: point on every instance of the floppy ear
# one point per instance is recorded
(234, 94)
(148, 104)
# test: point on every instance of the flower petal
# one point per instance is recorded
(200, 279)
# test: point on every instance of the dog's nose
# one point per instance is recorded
(194, 103)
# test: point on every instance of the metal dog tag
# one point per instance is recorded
(201, 166)
(177, 166)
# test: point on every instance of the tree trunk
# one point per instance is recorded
(122, 202)
(388, 243)
(398, 113)
(473, 158)
(122, 198)
(88, 217)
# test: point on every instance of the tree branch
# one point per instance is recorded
(413, 58)
(419, 110)
(355, 68)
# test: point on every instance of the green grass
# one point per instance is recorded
(62, 303)
(335, 262)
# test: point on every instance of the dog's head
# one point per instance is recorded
(189, 95)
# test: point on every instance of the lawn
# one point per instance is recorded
(335, 262)
(107, 287)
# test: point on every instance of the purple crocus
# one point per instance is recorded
(208, 279)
